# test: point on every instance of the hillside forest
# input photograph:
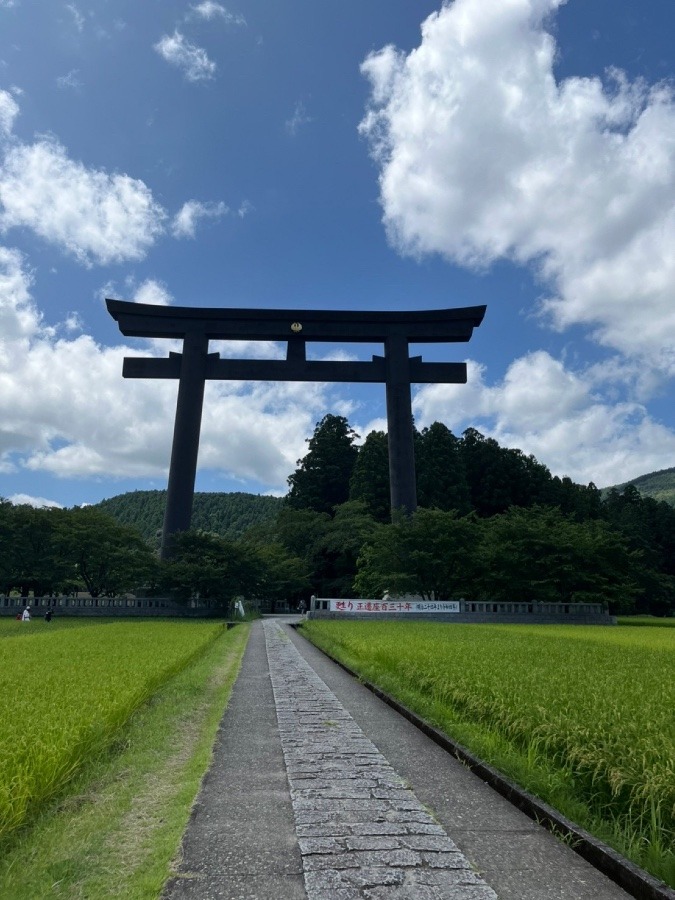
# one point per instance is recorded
(492, 523)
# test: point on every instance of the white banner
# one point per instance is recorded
(394, 606)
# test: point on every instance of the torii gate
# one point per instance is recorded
(197, 326)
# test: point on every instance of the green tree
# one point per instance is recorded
(487, 473)
(581, 501)
(321, 481)
(283, 577)
(342, 542)
(35, 563)
(499, 478)
(6, 546)
(108, 558)
(210, 567)
(649, 527)
(432, 553)
(441, 474)
(540, 554)
(300, 531)
(370, 476)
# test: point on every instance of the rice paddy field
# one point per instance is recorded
(68, 687)
(582, 716)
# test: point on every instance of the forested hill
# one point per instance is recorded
(229, 515)
(659, 485)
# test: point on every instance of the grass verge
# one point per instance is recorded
(116, 831)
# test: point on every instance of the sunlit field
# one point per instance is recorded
(585, 716)
(67, 688)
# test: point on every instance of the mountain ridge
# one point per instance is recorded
(659, 485)
(227, 513)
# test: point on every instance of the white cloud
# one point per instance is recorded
(186, 219)
(211, 10)
(9, 110)
(559, 416)
(66, 410)
(78, 18)
(92, 215)
(18, 316)
(37, 502)
(151, 291)
(69, 81)
(73, 322)
(192, 60)
(297, 119)
(484, 155)
(248, 349)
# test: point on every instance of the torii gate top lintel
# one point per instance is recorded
(418, 326)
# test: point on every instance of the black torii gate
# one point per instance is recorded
(197, 326)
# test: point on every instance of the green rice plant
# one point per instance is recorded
(650, 621)
(66, 691)
(593, 706)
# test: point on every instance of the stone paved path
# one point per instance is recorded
(319, 790)
(362, 832)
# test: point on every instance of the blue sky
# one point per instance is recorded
(377, 155)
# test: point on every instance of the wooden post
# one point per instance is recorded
(185, 448)
(402, 482)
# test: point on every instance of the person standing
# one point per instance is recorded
(25, 615)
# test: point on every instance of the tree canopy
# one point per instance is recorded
(370, 476)
(321, 481)
(49, 551)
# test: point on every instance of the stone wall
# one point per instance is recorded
(514, 613)
(118, 607)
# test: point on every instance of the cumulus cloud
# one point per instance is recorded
(186, 219)
(66, 410)
(192, 60)
(73, 322)
(95, 216)
(9, 110)
(151, 291)
(560, 416)
(485, 155)
(37, 502)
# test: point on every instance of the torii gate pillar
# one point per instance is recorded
(185, 448)
(400, 435)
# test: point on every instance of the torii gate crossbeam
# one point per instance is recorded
(195, 365)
